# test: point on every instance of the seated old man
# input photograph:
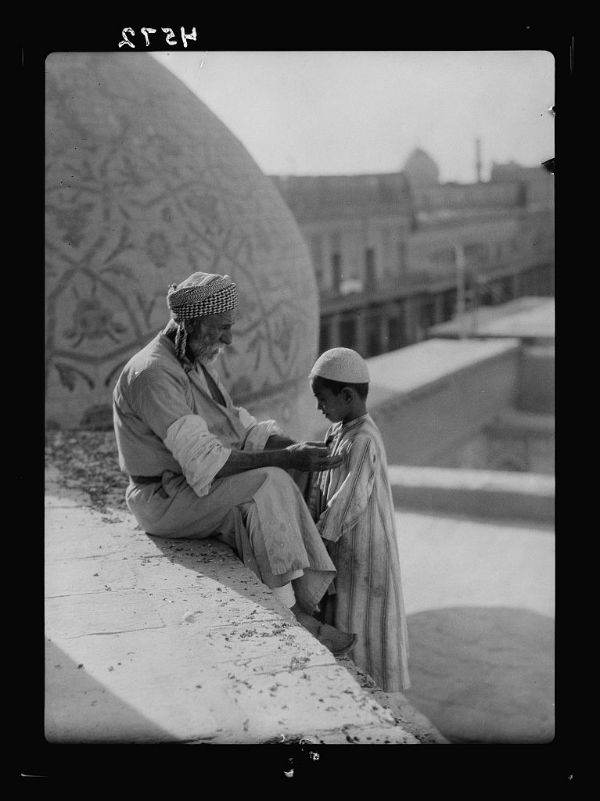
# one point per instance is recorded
(200, 466)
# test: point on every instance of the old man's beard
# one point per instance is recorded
(209, 353)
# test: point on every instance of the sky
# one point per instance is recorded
(327, 113)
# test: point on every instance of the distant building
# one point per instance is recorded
(385, 246)
(537, 181)
(503, 220)
(356, 227)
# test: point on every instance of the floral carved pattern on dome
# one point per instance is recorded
(92, 320)
(144, 186)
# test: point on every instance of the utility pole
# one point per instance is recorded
(478, 160)
(459, 260)
(475, 308)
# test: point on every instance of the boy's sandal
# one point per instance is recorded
(338, 642)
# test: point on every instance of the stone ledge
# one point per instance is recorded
(411, 372)
(530, 319)
(151, 640)
(519, 423)
(429, 398)
(474, 493)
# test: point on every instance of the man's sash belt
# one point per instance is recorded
(146, 479)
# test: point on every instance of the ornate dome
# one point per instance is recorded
(421, 169)
(145, 185)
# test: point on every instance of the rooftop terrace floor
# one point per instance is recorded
(479, 597)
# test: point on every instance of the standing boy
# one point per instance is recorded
(354, 513)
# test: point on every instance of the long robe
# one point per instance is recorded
(355, 515)
(173, 437)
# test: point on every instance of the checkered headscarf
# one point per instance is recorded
(199, 295)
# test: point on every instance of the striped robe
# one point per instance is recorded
(355, 514)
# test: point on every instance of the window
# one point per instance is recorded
(427, 314)
(394, 333)
(316, 250)
(476, 253)
(444, 257)
(402, 257)
(324, 336)
(370, 274)
(336, 271)
(348, 332)
(386, 243)
(374, 335)
(449, 304)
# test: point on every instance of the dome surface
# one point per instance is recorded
(145, 185)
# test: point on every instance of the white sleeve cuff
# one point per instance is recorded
(200, 454)
(257, 436)
(246, 418)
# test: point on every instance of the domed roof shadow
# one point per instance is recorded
(484, 674)
(80, 709)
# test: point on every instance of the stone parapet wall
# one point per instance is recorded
(536, 392)
(481, 494)
(150, 640)
(430, 398)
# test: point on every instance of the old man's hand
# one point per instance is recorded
(312, 458)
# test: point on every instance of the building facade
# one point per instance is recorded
(356, 228)
(385, 248)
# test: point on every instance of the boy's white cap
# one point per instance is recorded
(341, 364)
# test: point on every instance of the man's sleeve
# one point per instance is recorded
(257, 433)
(160, 401)
(350, 501)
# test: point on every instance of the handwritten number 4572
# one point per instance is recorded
(170, 37)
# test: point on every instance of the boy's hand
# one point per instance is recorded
(312, 458)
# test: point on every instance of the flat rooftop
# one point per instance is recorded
(401, 372)
(525, 318)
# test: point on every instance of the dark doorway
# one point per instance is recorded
(348, 332)
(336, 271)
(370, 274)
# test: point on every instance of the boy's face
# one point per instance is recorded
(333, 406)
